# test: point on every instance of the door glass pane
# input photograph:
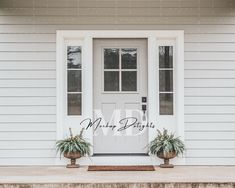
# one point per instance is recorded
(74, 104)
(129, 81)
(111, 58)
(166, 56)
(166, 103)
(74, 57)
(111, 80)
(166, 80)
(129, 58)
(74, 80)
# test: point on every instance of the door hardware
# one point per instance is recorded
(144, 99)
(144, 108)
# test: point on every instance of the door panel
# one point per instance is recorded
(120, 81)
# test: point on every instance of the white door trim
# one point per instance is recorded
(85, 38)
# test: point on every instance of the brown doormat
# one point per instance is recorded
(122, 168)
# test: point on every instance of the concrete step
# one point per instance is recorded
(119, 185)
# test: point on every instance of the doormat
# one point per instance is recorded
(122, 168)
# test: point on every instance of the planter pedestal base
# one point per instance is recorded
(166, 166)
(72, 166)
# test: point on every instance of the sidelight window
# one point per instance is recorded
(166, 79)
(74, 80)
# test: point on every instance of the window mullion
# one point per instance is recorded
(120, 70)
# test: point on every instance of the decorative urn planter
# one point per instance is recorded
(73, 148)
(72, 156)
(166, 157)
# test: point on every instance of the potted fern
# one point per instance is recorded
(73, 148)
(166, 146)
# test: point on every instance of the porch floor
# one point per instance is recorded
(59, 174)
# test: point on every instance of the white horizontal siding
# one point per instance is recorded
(210, 144)
(28, 75)
(203, 135)
(215, 118)
(229, 74)
(37, 83)
(209, 83)
(210, 38)
(29, 118)
(27, 110)
(210, 126)
(27, 65)
(67, 20)
(27, 56)
(209, 65)
(26, 145)
(210, 92)
(27, 126)
(28, 135)
(210, 109)
(210, 101)
(51, 29)
(210, 46)
(32, 74)
(27, 47)
(209, 56)
(37, 92)
(208, 153)
(25, 38)
(27, 100)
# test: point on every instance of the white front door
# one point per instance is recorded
(120, 96)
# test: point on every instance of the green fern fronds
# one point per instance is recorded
(74, 144)
(166, 143)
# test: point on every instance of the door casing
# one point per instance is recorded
(84, 38)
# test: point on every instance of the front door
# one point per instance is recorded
(120, 96)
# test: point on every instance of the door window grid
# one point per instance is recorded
(74, 80)
(166, 80)
(120, 76)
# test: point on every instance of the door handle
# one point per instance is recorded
(144, 108)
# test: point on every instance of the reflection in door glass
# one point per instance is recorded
(111, 58)
(129, 81)
(166, 103)
(166, 56)
(119, 79)
(111, 80)
(129, 58)
(74, 57)
(74, 104)
(74, 80)
(166, 80)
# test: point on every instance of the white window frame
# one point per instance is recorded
(85, 39)
(120, 71)
(73, 43)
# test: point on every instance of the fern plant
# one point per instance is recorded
(166, 143)
(73, 144)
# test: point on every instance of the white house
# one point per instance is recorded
(165, 63)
